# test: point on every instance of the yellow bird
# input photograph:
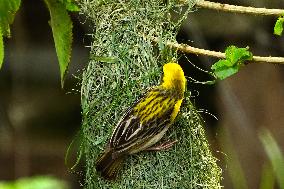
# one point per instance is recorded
(145, 122)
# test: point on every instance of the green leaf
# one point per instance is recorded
(278, 27)
(237, 55)
(235, 58)
(70, 5)
(234, 169)
(1, 49)
(222, 69)
(8, 9)
(267, 178)
(274, 154)
(61, 25)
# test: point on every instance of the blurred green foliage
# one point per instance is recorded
(37, 182)
(274, 154)
(267, 179)
(235, 169)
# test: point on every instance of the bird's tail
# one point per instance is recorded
(108, 166)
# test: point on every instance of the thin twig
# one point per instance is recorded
(237, 9)
(189, 49)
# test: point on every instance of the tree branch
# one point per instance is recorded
(189, 49)
(237, 9)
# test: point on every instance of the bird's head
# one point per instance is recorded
(173, 77)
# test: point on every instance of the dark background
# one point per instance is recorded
(38, 119)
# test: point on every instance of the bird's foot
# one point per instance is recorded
(163, 146)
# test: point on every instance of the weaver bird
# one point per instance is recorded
(145, 122)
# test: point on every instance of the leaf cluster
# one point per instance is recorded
(235, 59)
(60, 23)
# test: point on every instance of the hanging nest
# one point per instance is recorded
(124, 63)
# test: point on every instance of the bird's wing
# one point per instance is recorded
(145, 119)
